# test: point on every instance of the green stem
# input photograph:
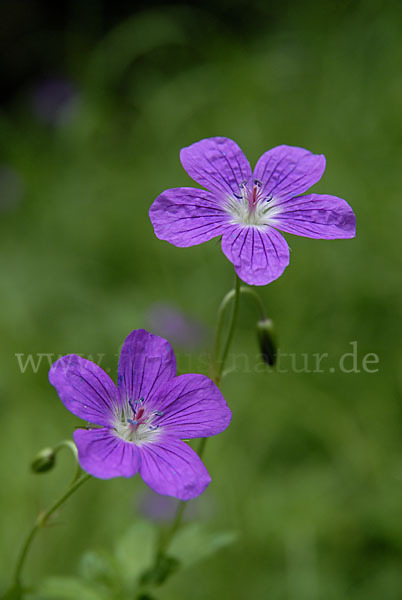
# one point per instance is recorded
(232, 325)
(253, 294)
(181, 507)
(165, 541)
(217, 371)
(70, 446)
(41, 522)
(218, 367)
(221, 313)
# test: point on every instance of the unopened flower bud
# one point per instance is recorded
(267, 341)
(44, 461)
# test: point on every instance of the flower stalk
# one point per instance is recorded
(218, 366)
(42, 521)
(219, 362)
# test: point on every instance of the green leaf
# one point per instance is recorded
(97, 568)
(134, 552)
(68, 588)
(194, 543)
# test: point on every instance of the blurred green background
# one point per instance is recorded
(97, 104)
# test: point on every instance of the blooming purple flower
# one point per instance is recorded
(247, 207)
(144, 419)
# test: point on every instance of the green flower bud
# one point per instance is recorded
(44, 461)
(267, 341)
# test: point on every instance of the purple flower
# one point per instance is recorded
(142, 420)
(247, 207)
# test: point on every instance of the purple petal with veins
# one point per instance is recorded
(144, 419)
(247, 209)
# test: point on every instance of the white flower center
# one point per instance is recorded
(251, 207)
(134, 423)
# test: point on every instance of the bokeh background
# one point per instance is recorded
(97, 100)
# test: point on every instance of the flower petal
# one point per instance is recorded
(287, 171)
(172, 468)
(216, 163)
(315, 216)
(146, 362)
(104, 455)
(259, 255)
(187, 216)
(85, 389)
(192, 407)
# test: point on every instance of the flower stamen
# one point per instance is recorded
(251, 207)
(136, 427)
